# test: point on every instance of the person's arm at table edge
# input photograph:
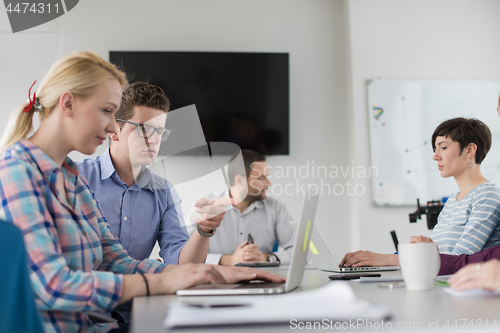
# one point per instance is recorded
(177, 246)
(211, 215)
(195, 249)
(211, 258)
(450, 264)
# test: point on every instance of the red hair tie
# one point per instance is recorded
(31, 102)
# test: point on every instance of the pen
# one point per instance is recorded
(395, 240)
(249, 239)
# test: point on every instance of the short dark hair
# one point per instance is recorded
(249, 157)
(466, 131)
(141, 94)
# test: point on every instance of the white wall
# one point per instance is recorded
(406, 39)
(24, 58)
(312, 31)
(334, 46)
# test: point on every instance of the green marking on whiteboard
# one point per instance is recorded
(377, 111)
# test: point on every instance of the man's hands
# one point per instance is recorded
(237, 256)
(212, 212)
(176, 277)
(484, 275)
(251, 253)
(245, 252)
(367, 258)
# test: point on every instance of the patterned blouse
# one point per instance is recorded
(75, 262)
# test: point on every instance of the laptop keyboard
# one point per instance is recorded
(361, 268)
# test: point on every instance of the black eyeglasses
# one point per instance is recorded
(146, 131)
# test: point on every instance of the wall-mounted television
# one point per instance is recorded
(240, 97)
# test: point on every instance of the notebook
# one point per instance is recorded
(324, 261)
(295, 270)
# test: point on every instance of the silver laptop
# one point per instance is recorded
(324, 261)
(295, 271)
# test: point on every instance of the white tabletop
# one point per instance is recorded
(409, 309)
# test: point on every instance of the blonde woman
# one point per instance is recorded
(76, 265)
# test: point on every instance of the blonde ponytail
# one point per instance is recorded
(20, 124)
(79, 73)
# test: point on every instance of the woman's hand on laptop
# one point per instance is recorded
(367, 258)
(176, 277)
(238, 274)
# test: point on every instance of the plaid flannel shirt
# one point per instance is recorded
(75, 262)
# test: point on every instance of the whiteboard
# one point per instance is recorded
(402, 118)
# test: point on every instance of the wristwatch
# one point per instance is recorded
(273, 258)
(205, 234)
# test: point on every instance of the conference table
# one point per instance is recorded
(414, 310)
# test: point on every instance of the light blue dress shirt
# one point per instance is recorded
(139, 215)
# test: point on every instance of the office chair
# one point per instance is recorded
(18, 312)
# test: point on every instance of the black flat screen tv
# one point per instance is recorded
(240, 97)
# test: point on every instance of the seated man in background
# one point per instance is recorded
(140, 207)
(266, 219)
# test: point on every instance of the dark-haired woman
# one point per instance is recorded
(470, 219)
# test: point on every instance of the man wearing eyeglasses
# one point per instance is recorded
(140, 207)
(139, 212)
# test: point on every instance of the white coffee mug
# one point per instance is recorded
(420, 264)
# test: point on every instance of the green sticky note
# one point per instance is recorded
(304, 242)
(442, 283)
(313, 248)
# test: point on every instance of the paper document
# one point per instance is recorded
(394, 279)
(335, 301)
(471, 292)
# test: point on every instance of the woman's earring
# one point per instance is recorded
(469, 164)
